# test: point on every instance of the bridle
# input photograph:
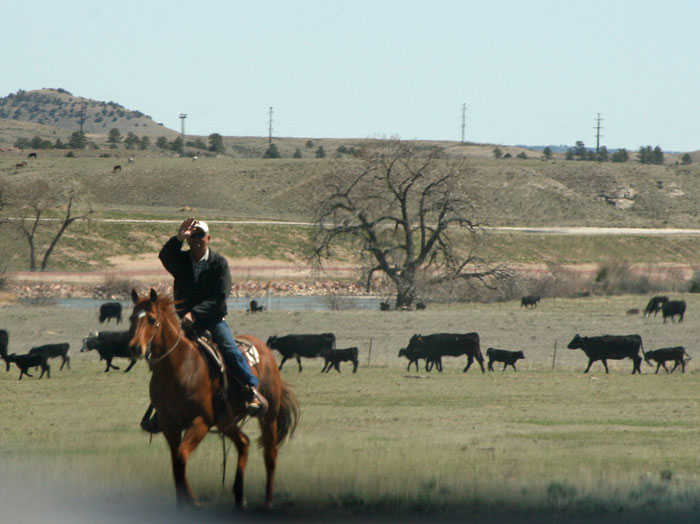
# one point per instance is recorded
(155, 360)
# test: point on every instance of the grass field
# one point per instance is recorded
(385, 442)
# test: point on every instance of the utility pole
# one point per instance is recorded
(464, 120)
(82, 114)
(597, 134)
(270, 126)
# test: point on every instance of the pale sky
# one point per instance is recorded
(530, 72)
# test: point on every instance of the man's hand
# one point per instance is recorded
(186, 229)
(188, 320)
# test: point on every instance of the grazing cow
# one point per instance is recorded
(116, 168)
(505, 356)
(613, 347)
(655, 305)
(413, 355)
(110, 344)
(334, 357)
(529, 301)
(4, 339)
(111, 310)
(21, 164)
(52, 351)
(673, 308)
(663, 355)
(439, 345)
(384, 306)
(24, 362)
(253, 307)
(31, 155)
(420, 306)
(297, 346)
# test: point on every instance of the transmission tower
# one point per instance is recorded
(270, 126)
(597, 133)
(464, 120)
(182, 126)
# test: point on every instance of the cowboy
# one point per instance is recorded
(202, 284)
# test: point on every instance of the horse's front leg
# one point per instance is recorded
(180, 450)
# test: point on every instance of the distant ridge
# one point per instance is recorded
(59, 108)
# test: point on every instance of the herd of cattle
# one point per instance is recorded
(429, 348)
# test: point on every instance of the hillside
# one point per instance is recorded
(63, 111)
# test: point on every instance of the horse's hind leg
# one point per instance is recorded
(242, 443)
(269, 442)
(180, 450)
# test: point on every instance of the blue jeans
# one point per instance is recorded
(235, 360)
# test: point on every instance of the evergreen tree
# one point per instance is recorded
(216, 143)
(272, 152)
(77, 140)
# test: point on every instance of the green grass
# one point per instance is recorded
(384, 441)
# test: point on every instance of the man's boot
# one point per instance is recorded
(256, 405)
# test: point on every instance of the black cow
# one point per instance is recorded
(111, 310)
(52, 351)
(420, 306)
(334, 357)
(673, 308)
(529, 301)
(4, 339)
(505, 356)
(253, 307)
(297, 346)
(663, 355)
(439, 345)
(24, 362)
(110, 344)
(613, 347)
(655, 305)
(384, 306)
(31, 155)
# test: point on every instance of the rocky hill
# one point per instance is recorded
(61, 109)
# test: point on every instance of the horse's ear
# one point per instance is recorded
(154, 295)
(134, 295)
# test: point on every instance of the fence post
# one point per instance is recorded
(554, 356)
(369, 355)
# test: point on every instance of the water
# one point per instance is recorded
(274, 303)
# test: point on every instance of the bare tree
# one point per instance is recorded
(412, 217)
(31, 202)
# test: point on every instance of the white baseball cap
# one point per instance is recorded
(201, 224)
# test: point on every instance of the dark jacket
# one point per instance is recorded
(206, 298)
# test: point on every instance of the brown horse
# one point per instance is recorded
(183, 391)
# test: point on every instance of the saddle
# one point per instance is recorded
(217, 364)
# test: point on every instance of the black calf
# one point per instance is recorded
(334, 357)
(505, 356)
(24, 362)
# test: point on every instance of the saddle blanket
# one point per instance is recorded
(249, 350)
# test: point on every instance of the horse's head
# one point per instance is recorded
(145, 321)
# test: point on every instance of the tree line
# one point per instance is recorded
(645, 155)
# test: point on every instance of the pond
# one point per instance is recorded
(272, 303)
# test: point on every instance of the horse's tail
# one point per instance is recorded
(288, 415)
